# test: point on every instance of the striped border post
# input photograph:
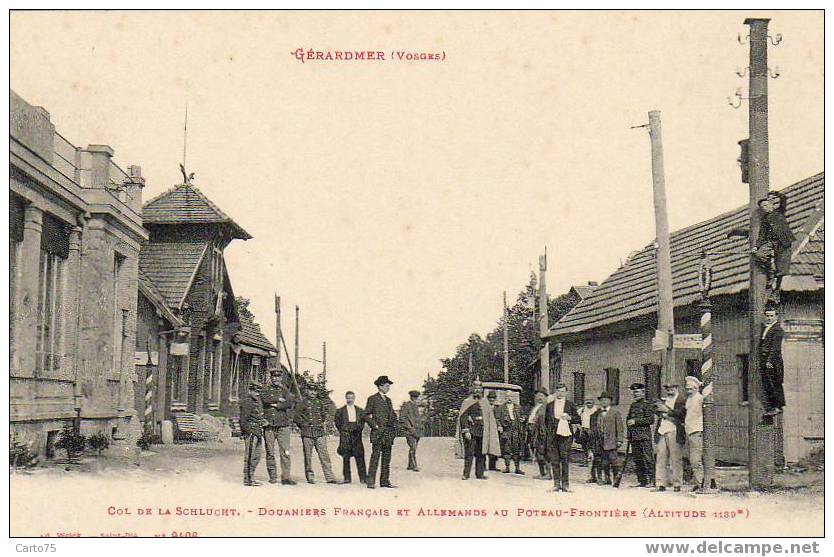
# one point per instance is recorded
(148, 418)
(707, 376)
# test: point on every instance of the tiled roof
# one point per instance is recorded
(583, 290)
(171, 267)
(250, 334)
(631, 291)
(185, 204)
(152, 293)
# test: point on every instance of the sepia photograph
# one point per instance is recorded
(417, 273)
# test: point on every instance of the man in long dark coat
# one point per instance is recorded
(479, 431)
(252, 424)
(349, 423)
(535, 434)
(380, 416)
(771, 366)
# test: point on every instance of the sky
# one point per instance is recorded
(394, 202)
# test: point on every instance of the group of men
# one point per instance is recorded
(270, 411)
(659, 433)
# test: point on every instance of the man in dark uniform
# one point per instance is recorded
(492, 460)
(412, 423)
(639, 423)
(380, 416)
(278, 403)
(771, 366)
(472, 430)
(252, 423)
(510, 430)
(312, 415)
(350, 425)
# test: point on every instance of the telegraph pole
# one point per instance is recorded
(324, 363)
(506, 342)
(663, 260)
(761, 434)
(295, 356)
(278, 328)
(544, 326)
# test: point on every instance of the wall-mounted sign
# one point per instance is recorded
(179, 349)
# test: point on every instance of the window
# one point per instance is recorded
(612, 384)
(578, 387)
(256, 369)
(211, 386)
(178, 379)
(234, 388)
(693, 368)
(50, 281)
(743, 366)
(118, 321)
(651, 378)
(217, 269)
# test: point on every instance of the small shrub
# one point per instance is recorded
(71, 441)
(99, 442)
(146, 440)
(21, 454)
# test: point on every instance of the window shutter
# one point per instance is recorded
(55, 237)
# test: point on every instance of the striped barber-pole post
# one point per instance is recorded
(148, 419)
(707, 375)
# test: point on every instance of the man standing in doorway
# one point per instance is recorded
(278, 403)
(412, 423)
(559, 418)
(639, 423)
(380, 416)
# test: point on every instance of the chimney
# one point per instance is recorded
(134, 183)
(99, 165)
(593, 283)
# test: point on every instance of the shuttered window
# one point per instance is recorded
(578, 387)
(651, 378)
(54, 237)
(612, 384)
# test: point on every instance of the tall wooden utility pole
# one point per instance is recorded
(324, 363)
(761, 435)
(506, 341)
(544, 326)
(295, 356)
(278, 328)
(665, 311)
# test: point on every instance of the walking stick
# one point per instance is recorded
(625, 463)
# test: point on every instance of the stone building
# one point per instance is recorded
(606, 338)
(75, 231)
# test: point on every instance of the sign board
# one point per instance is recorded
(179, 349)
(142, 358)
(688, 341)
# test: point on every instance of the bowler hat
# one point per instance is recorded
(383, 380)
(255, 386)
(492, 394)
(604, 394)
(413, 393)
(637, 386)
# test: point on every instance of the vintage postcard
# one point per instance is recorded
(416, 273)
